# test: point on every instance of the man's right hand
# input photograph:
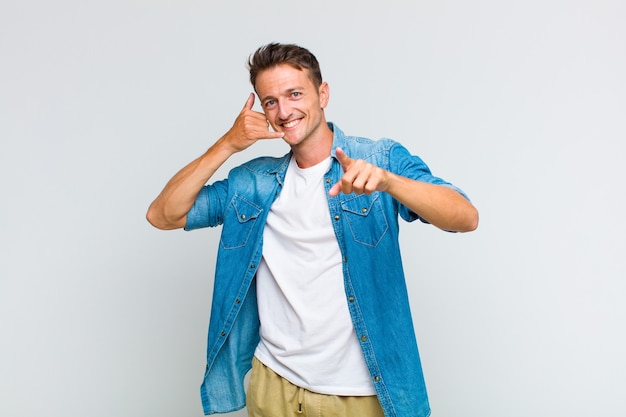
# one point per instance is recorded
(249, 127)
(169, 210)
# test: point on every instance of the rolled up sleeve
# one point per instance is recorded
(208, 209)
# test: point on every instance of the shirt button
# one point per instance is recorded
(327, 180)
(364, 210)
(243, 217)
(252, 266)
(223, 333)
(351, 299)
(363, 338)
(376, 379)
(237, 301)
(336, 217)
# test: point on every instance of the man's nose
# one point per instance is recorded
(284, 110)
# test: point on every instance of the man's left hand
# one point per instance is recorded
(359, 176)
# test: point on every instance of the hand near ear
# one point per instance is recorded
(249, 127)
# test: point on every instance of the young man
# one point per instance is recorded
(309, 289)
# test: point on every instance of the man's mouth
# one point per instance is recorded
(293, 123)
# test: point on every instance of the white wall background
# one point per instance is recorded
(520, 103)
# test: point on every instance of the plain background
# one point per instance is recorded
(520, 103)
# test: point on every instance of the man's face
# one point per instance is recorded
(291, 102)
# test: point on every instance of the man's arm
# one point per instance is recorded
(439, 205)
(169, 210)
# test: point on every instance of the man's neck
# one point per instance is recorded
(314, 150)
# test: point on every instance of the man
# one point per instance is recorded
(309, 289)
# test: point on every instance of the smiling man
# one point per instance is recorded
(309, 289)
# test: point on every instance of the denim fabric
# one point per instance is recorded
(367, 231)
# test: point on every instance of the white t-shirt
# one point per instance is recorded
(307, 335)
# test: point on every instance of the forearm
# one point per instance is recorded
(169, 210)
(441, 206)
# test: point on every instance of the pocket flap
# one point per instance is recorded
(360, 204)
(244, 209)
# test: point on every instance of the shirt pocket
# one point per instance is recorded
(366, 218)
(239, 220)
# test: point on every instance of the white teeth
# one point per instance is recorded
(291, 124)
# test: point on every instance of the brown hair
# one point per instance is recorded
(273, 54)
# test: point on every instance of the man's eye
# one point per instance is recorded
(269, 103)
(296, 94)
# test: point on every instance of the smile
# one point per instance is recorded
(291, 123)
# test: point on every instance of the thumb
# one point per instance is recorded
(249, 103)
(335, 189)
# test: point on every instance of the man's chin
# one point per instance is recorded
(291, 139)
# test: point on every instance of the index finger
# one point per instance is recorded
(343, 159)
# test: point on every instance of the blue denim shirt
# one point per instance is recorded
(367, 231)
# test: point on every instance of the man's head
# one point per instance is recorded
(289, 85)
(274, 54)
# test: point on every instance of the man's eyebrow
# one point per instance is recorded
(264, 99)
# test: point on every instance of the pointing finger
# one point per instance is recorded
(343, 159)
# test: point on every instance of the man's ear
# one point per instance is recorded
(324, 93)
